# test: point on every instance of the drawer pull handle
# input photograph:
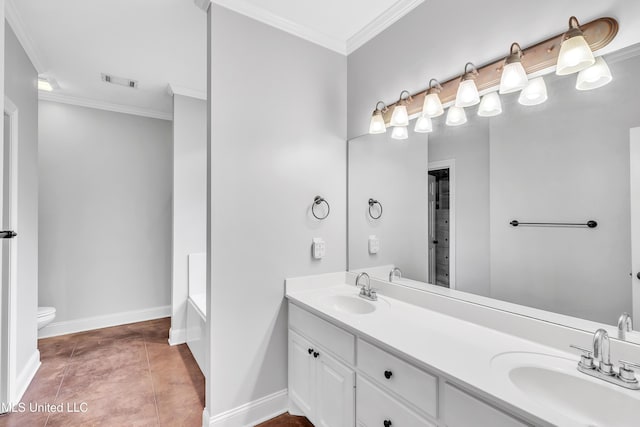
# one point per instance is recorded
(387, 423)
(387, 375)
(316, 354)
(310, 350)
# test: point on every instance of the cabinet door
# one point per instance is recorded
(335, 393)
(302, 373)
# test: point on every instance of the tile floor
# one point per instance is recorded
(122, 376)
(127, 376)
(286, 420)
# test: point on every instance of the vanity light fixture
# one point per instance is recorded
(467, 94)
(490, 105)
(560, 50)
(400, 116)
(535, 93)
(432, 105)
(575, 54)
(514, 77)
(423, 124)
(377, 121)
(400, 132)
(595, 76)
(456, 116)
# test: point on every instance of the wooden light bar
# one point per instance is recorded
(598, 34)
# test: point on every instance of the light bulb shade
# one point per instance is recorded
(467, 95)
(575, 55)
(423, 124)
(490, 105)
(400, 117)
(400, 132)
(595, 76)
(377, 123)
(456, 116)
(535, 93)
(514, 78)
(432, 106)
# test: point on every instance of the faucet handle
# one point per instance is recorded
(627, 374)
(586, 359)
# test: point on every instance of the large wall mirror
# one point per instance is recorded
(438, 207)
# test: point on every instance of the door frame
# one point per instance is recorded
(634, 155)
(451, 165)
(9, 302)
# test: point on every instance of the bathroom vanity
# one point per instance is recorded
(395, 362)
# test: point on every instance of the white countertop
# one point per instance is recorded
(454, 347)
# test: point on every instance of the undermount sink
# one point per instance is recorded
(351, 304)
(556, 384)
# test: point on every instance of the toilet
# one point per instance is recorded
(45, 316)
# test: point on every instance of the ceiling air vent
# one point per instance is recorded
(122, 81)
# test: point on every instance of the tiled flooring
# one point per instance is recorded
(127, 376)
(287, 420)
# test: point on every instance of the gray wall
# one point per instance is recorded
(20, 87)
(394, 173)
(189, 198)
(469, 146)
(568, 161)
(277, 139)
(105, 211)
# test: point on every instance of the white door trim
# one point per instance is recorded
(9, 346)
(634, 155)
(451, 165)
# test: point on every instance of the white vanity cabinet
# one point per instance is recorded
(460, 409)
(320, 385)
(389, 391)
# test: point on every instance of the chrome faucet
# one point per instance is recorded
(365, 291)
(603, 368)
(601, 352)
(625, 324)
(395, 273)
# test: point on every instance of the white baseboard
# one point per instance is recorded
(177, 336)
(97, 322)
(252, 413)
(24, 378)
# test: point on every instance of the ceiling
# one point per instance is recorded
(163, 42)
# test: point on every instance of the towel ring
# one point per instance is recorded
(317, 201)
(373, 202)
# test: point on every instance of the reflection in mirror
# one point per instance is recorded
(448, 203)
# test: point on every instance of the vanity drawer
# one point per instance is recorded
(332, 338)
(374, 407)
(462, 410)
(411, 383)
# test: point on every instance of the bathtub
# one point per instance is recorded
(197, 309)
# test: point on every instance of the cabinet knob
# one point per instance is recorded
(387, 375)
(387, 423)
(310, 350)
(316, 354)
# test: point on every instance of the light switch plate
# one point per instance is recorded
(318, 248)
(374, 245)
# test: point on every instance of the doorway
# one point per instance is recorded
(8, 260)
(442, 224)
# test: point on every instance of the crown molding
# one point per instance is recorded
(186, 91)
(17, 25)
(381, 23)
(102, 105)
(203, 4)
(253, 11)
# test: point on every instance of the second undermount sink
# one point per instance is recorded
(351, 304)
(556, 384)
